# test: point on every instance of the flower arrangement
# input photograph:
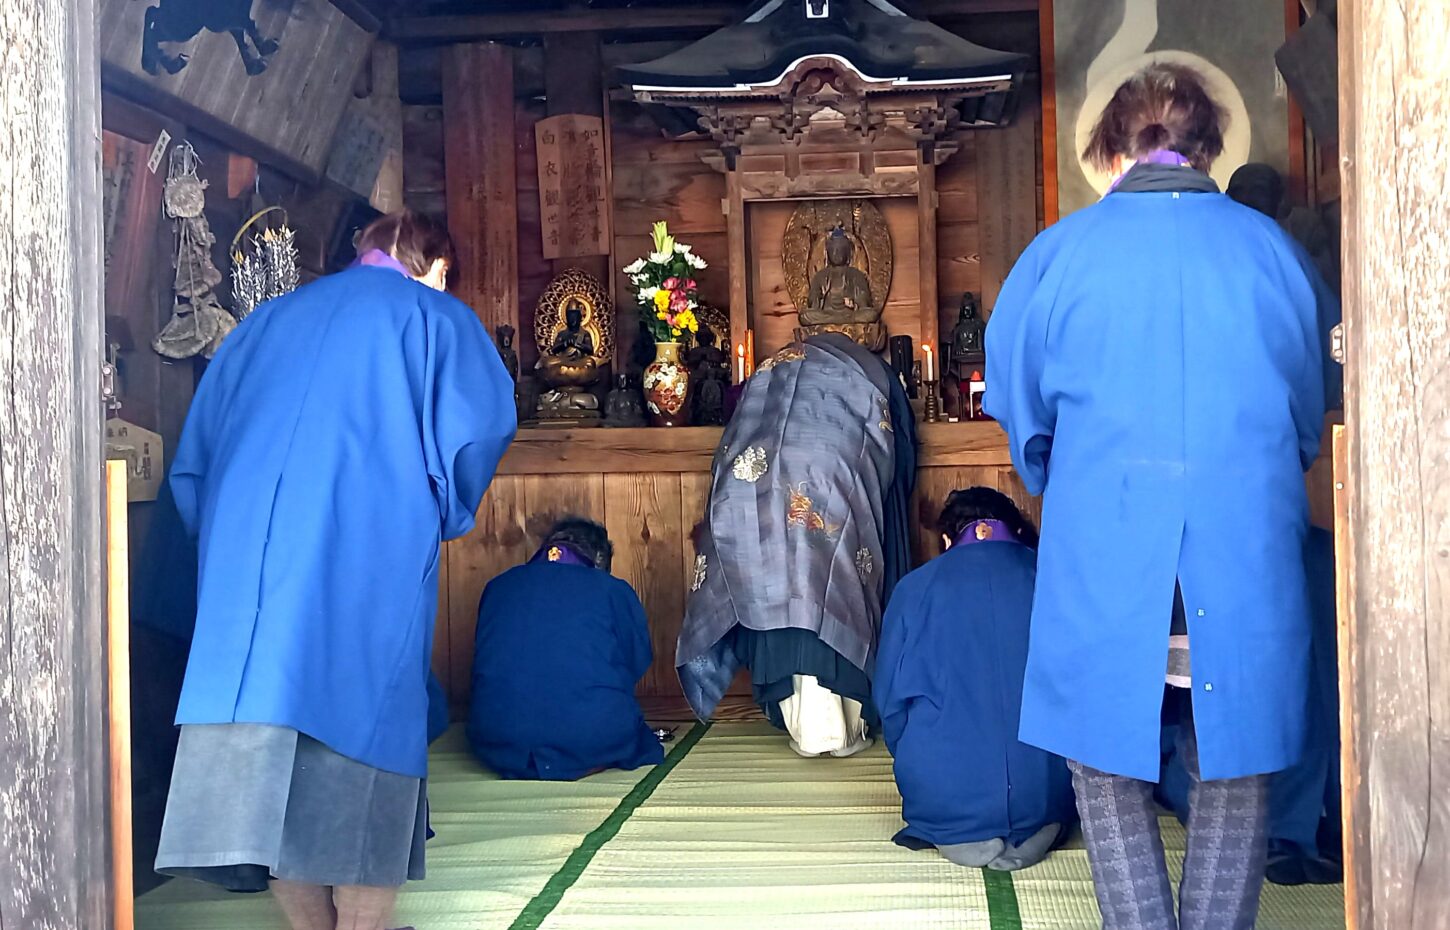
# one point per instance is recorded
(667, 288)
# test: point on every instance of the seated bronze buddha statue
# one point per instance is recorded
(569, 368)
(839, 298)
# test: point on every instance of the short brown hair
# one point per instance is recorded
(1163, 106)
(412, 238)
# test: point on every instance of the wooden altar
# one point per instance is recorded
(648, 487)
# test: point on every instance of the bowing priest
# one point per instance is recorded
(339, 436)
(949, 688)
(561, 644)
(804, 538)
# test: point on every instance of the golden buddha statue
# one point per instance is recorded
(839, 298)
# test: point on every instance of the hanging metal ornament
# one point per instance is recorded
(198, 321)
(264, 266)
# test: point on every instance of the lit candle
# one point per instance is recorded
(927, 371)
(739, 363)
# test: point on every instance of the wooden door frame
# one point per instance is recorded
(1394, 58)
(54, 841)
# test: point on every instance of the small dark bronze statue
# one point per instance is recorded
(969, 346)
(624, 405)
(175, 21)
(709, 373)
(967, 366)
(504, 337)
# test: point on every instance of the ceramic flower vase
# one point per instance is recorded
(666, 385)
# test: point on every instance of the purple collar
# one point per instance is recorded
(377, 258)
(1156, 157)
(984, 531)
(561, 552)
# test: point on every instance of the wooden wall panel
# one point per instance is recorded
(498, 542)
(287, 115)
(1007, 195)
(643, 516)
(653, 179)
(959, 259)
(424, 188)
(480, 167)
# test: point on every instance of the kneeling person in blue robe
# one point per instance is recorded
(949, 688)
(561, 644)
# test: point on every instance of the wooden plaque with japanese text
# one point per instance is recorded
(573, 195)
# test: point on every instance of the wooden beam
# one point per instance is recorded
(479, 26)
(1395, 118)
(1048, 42)
(479, 167)
(53, 780)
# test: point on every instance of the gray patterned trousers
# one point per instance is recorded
(1223, 871)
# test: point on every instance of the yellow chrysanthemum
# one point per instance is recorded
(662, 315)
(662, 299)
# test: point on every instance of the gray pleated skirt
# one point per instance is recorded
(250, 803)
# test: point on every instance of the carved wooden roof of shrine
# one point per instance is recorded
(889, 49)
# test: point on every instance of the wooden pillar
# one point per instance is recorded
(574, 83)
(926, 207)
(478, 142)
(53, 773)
(1395, 142)
(740, 320)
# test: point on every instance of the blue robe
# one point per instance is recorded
(949, 688)
(1156, 361)
(1304, 799)
(557, 655)
(340, 435)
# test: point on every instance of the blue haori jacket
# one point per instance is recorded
(342, 432)
(557, 655)
(949, 688)
(1157, 363)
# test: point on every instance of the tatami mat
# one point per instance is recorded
(740, 834)
(498, 843)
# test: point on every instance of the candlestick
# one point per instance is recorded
(928, 370)
(933, 407)
(749, 352)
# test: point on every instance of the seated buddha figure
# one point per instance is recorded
(839, 298)
(569, 367)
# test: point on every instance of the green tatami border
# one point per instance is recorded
(538, 910)
(1002, 908)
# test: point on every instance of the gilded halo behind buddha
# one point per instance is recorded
(574, 333)
(837, 259)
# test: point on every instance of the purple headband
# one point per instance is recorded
(561, 552)
(984, 531)
(1155, 157)
(377, 258)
